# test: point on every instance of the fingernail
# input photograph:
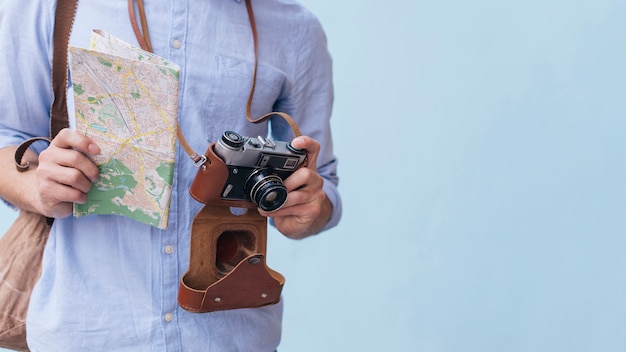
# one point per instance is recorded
(298, 141)
(93, 149)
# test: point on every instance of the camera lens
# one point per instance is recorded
(266, 190)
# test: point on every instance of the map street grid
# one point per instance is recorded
(126, 100)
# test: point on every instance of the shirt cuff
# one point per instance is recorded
(333, 196)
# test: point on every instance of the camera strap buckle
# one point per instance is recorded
(198, 160)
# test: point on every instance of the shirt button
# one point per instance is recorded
(169, 249)
(176, 44)
(168, 317)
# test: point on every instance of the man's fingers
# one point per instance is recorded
(67, 139)
(57, 194)
(71, 177)
(312, 148)
(68, 149)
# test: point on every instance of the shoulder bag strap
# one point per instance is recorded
(64, 19)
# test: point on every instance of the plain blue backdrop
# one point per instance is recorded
(483, 172)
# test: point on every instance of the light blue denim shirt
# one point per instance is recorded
(110, 283)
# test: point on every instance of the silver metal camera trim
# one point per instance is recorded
(249, 154)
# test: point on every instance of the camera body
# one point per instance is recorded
(257, 167)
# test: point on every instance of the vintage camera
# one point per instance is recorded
(257, 167)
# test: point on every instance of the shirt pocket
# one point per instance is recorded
(228, 96)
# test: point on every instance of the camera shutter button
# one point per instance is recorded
(294, 149)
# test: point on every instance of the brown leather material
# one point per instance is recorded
(210, 180)
(21, 149)
(227, 268)
(142, 35)
(64, 20)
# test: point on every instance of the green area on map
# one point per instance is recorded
(126, 100)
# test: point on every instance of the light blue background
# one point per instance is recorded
(483, 171)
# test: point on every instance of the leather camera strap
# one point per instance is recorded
(143, 38)
(64, 19)
(286, 117)
(216, 281)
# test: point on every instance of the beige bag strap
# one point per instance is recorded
(64, 19)
(143, 38)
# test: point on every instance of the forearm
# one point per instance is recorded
(19, 188)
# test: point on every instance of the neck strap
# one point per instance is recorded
(143, 38)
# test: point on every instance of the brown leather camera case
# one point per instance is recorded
(227, 268)
(210, 180)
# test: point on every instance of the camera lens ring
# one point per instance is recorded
(266, 190)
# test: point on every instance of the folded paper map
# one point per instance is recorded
(126, 101)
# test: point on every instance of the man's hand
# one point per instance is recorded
(65, 174)
(307, 209)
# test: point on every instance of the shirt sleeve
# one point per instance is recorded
(25, 54)
(310, 101)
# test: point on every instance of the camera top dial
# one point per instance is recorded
(232, 140)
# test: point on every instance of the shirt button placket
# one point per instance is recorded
(169, 246)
